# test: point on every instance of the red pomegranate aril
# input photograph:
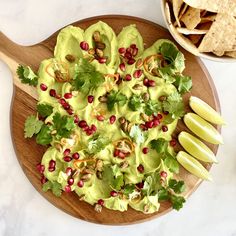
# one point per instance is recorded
(93, 128)
(140, 185)
(70, 111)
(52, 92)
(67, 189)
(122, 66)
(40, 168)
(70, 181)
(159, 116)
(143, 127)
(113, 193)
(89, 132)
(80, 183)
(90, 98)
(128, 55)
(100, 202)
(133, 46)
(149, 124)
(43, 87)
(67, 158)
(68, 95)
(116, 153)
(51, 169)
(145, 150)
(173, 142)
(131, 61)
(112, 119)
(68, 171)
(66, 106)
(102, 60)
(135, 52)
(86, 128)
(164, 128)
(84, 46)
(66, 152)
(140, 168)
(76, 156)
(128, 77)
(129, 50)
(52, 163)
(145, 81)
(163, 174)
(156, 122)
(151, 83)
(100, 118)
(82, 124)
(43, 180)
(121, 50)
(62, 101)
(121, 155)
(76, 119)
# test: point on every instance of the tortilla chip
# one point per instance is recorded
(176, 4)
(219, 6)
(231, 54)
(219, 53)
(221, 36)
(191, 18)
(194, 31)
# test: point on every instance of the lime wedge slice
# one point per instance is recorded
(202, 128)
(205, 111)
(196, 148)
(193, 166)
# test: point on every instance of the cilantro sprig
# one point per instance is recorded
(44, 109)
(115, 98)
(32, 126)
(26, 75)
(54, 186)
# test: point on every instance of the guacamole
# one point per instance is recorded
(107, 110)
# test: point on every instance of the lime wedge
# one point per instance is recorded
(196, 148)
(193, 166)
(202, 128)
(205, 111)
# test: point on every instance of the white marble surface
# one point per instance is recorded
(210, 211)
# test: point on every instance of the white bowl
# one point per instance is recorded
(192, 49)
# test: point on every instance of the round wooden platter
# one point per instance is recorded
(24, 104)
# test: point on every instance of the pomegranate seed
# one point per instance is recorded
(52, 163)
(51, 169)
(70, 181)
(113, 193)
(137, 73)
(145, 81)
(67, 158)
(66, 106)
(133, 46)
(145, 150)
(129, 50)
(102, 60)
(121, 155)
(135, 52)
(52, 92)
(90, 98)
(140, 168)
(140, 185)
(116, 153)
(80, 183)
(164, 128)
(112, 119)
(67, 189)
(93, 128)
(86, 128)
(100, 118)
(121, 50)
(89, 132)
(101, 202)
(66, 152)
(151, 83)
(76, 156)
(43, 87)
(128, 77)
(82, 124)
(40, 168)
(128, 55)
(68, 95)
(143, 127)
(76, 119)
(173, 143)
(70, 111)
(163, 174)
(149, 124)
(122, 66)
(43, 180)
(159, 116)
(156, 122)
(84, 46)
(131, 61)
(62, 101)
(68, 171)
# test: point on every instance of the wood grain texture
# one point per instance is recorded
(24, 104)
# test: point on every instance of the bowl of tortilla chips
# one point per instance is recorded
(206, 28)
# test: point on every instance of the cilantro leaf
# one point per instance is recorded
(128, 189)
(135, 102)
(177, 201)
(160, 145)
(32, 126)
(177, 186)
(174, 105)
(63, 125)
(171, 163)
(115, 98)
(183, 83)
(97, 143)
(26, 75)
(86, 77)
(44, 109)
(152, 107)
(54, 186)
(44, 137)
(118, 182)
(163, 194)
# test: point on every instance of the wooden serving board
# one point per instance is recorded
(24, 104)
